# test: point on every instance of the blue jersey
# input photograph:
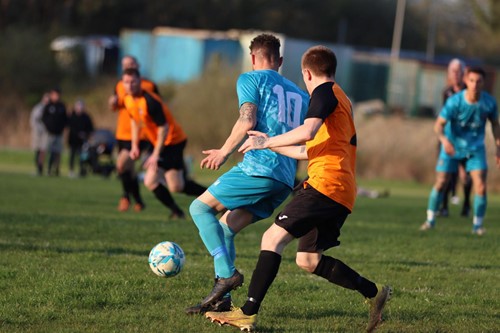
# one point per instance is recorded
(282, 107)
(466, 122)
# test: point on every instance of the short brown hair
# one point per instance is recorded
(132, 72)
(320, 60)
(268, 44)
(477, 70)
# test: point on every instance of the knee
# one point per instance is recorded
(306, 263)
(199, 208)
(150, 184)
(121, 167)
(440, 184)
(481, 189)
(175, 187)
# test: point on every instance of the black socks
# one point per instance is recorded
(263, 276)
(193, 188)
(340, 274)
(164, 196)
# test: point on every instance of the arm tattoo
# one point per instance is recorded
(302, 148)
(248, 112)
(259, 141)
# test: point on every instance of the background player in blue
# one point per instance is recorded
(461, 130)
(251, 190)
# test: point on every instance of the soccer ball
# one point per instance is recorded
(166, 259)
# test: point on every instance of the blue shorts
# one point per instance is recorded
(259, 195)
(473, 161)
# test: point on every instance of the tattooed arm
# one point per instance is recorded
(299, 135)
(296, 152)
(259, 140)
(247, 121)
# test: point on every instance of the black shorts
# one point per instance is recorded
(144, 146)
(172, 157)
(314, 219)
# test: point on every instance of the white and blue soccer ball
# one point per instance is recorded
(166, 259)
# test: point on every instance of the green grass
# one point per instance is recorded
(71, 263)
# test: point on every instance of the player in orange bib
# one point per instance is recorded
(165, 164)
(125, 165)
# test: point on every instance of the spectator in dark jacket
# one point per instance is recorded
(55, 119)
(80, 127)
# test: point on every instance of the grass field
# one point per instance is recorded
(71, 263)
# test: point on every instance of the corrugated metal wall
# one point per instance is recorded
(175, 55)
(138, 44)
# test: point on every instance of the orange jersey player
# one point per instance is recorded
(125, 166)
(165, 164)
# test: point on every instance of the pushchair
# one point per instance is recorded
(97, 152)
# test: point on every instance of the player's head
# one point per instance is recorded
(131, 79)
(478, 70)
(456, 70)
(474, 79)
(321, 61)
(265, 52)
(129, 61)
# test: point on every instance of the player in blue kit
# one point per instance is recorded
(251, 190)
(461, 130)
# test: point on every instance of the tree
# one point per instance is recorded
(488, 15)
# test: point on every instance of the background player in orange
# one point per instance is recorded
(166, 162)
(125, 166)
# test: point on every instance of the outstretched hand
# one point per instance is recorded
(214, 160)
(256, 140)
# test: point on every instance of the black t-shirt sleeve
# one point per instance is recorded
(323, 101)
(155, 89)
(155, 110)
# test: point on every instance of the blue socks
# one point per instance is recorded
(229, 241)
(480, 204)
(435, 199)
(213, 236)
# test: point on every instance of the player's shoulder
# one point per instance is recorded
(146, 80)
(488, 97)
(152, 99)
(261, 73)
(252, 75)
(151, 94)
(248, 79)
(119, 86)
(147, 84)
